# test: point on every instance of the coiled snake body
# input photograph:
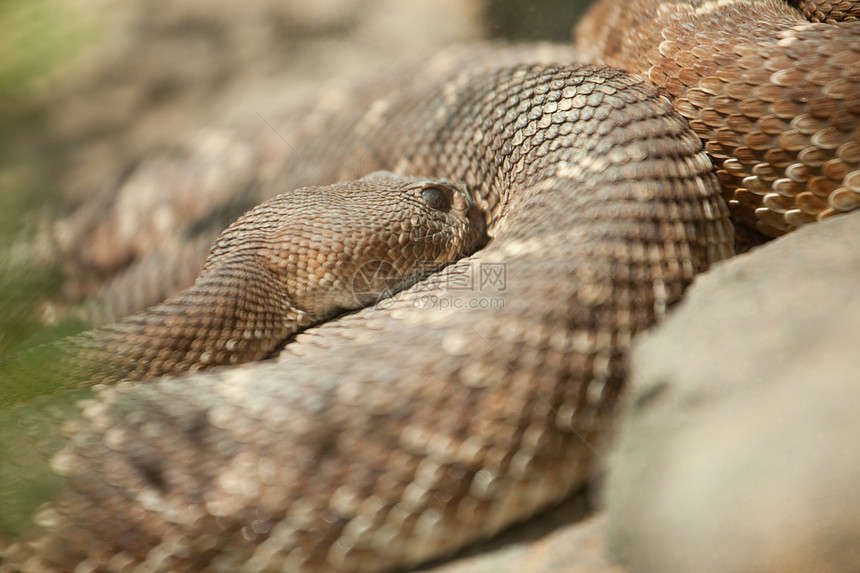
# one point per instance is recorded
(410, 429)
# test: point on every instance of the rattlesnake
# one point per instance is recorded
(407, 430)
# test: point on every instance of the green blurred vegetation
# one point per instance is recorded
(37, 38)
(29, 436)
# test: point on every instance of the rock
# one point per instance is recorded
(738, 449)
(565, 539)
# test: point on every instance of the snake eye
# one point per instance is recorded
(437, 198)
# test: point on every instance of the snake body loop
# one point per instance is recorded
(774, 97)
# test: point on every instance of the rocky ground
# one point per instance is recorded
(738, 444)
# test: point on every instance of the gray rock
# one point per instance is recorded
(739, 446)
(565, 539)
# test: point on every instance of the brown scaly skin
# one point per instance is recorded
(291, 262)
(776, 99)
(401, 433)
(829, 11)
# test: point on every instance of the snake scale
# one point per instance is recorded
(407, 430)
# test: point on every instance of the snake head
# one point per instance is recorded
(427, 224)
(347, 245)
